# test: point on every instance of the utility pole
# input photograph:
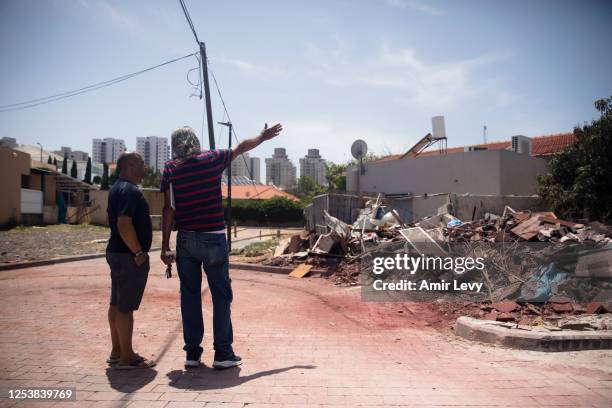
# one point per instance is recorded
(209, 119)
(229, 189)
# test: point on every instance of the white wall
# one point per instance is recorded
(489, 172)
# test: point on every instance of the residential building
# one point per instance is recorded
(280, 171)
(9, 142)
(64, 151)
(486, 169)
(154, 150)
(312, 165)
(246, 166)
(77, 155)
(107, 150)
(30, 189)
(255, 192)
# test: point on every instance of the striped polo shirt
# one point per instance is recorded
(196, 182)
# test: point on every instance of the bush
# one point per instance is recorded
(275, 210)
(578, 184)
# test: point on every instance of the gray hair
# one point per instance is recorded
(125, 159)
(184, 142)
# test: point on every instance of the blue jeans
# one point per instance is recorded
(194, 250)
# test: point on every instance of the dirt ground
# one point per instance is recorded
(21, 244)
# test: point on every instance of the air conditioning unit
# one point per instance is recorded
(521, 144)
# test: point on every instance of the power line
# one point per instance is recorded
(67, 94)
(236, 136)
(188, 17)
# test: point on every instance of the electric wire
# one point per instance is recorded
(188, 17)
(67, 94)
(229, 119)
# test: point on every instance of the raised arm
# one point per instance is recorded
(250, 144)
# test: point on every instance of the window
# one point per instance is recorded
(25, 181)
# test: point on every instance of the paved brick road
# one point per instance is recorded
(304, 342)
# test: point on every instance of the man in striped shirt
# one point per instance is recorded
(192, 186)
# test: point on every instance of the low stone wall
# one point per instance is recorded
(414, 208)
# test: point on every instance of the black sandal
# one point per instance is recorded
(139, 362)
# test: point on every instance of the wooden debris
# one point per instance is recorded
(301, 271)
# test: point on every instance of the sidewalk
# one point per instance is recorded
(304, 343)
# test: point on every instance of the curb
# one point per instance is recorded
(537, 339)
(63, 259)
(284, 270)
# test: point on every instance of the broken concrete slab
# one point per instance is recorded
(300, 271)
(422, 242)
(324, 244)
(282, 246)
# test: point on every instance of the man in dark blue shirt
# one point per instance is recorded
(127, 256)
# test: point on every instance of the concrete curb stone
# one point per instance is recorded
(537, 339)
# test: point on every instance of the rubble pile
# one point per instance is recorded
(534, 258)
(341, 249)
(526, 226)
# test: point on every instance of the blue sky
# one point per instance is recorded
(330, 71)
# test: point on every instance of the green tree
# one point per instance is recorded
(87, 178)
(65, 165)
(335, 175)
(55, 163)
(307, 188)
(49, 161)
(104, 181)
(151, 179)
(578, 183)
(73, 170)
(97, 180)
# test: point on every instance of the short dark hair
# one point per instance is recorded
(125, 159)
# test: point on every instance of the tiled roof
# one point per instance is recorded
(252, 192)
(540, 146)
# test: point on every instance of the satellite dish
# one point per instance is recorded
(359, 149)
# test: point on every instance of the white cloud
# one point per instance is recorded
(334, 139)
(250, 68)
(415, 5)
(115, 15)
(415, 81)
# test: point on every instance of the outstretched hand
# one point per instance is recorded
(270, 133)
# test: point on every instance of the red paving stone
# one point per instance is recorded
(305, 343)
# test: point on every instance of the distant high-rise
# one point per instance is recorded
(107, 150)
(312, 165)
(67, 152)
(246, 166)
(280, 171)
(79, 155)
(8, 142)
(154, 150)
(64, 151)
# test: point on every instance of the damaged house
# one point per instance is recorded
(502, 168)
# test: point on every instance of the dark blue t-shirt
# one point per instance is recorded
(124, 198)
